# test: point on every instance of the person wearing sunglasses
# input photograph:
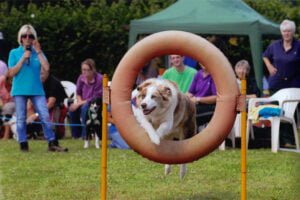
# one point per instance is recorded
(25, 64)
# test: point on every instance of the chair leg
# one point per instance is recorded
(275, 125)
(248, 128)
(296, 135)
(232, 137)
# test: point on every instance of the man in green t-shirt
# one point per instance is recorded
(179, 73)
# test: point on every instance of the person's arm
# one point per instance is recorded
(190, 95)
(51, 102)
(12, 71)
(207, 100)
(272, 70)
(109, 118)
(44, 62)
(80, 102)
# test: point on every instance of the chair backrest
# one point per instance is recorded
(70, 89)
(288, 100)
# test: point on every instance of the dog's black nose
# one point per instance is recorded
(143, 105)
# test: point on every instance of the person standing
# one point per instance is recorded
(25, 63)
(179, 73)
(282, 59)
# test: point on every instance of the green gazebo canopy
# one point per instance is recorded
(219, 17)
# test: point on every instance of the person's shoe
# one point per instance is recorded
(24, 146)
(53, 146)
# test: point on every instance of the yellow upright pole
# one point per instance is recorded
(243, 144)
(104, 139)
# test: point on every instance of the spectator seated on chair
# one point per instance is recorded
(116, 139)
(88, 87)
(7, 104)
(203, 93)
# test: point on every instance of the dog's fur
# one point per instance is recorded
(11, 121)
(165, 113)
(94, 122)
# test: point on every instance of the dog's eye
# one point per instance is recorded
(141, 96)
(153, 97)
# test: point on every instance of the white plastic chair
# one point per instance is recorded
(288, 100)
(70, 89)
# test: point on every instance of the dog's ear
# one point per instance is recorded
(173, 84)
(143, 85)
(165, 92)
(168, 91)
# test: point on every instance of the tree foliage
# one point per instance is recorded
(71, 31)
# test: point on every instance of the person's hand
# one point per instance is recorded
(32, 118)
(74, 106)
(26, 54)
(194, 99)
(37, 46)
(272, 70)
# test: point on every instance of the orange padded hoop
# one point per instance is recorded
(183, 43)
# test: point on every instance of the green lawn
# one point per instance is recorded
(39, 175)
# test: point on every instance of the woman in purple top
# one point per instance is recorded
(203, 93)
(88, 87)
(282, 59)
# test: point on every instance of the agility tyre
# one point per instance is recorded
(183, 43)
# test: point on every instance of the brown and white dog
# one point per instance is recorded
(165, 113)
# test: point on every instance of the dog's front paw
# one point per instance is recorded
(161, 133)
(86, 144)
(154, 138)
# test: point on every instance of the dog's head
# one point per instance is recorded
(95, 104)
(153, 96)
(4, 119)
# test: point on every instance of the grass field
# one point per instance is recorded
(40, 175)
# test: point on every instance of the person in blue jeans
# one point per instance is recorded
(116, 139)
(25, 63)
(88, 87)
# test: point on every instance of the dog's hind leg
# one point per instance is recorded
(182, 171)
(167, 169)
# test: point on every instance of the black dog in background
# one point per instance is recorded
(94, 122)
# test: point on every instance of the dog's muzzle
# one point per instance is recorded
(148, 111)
